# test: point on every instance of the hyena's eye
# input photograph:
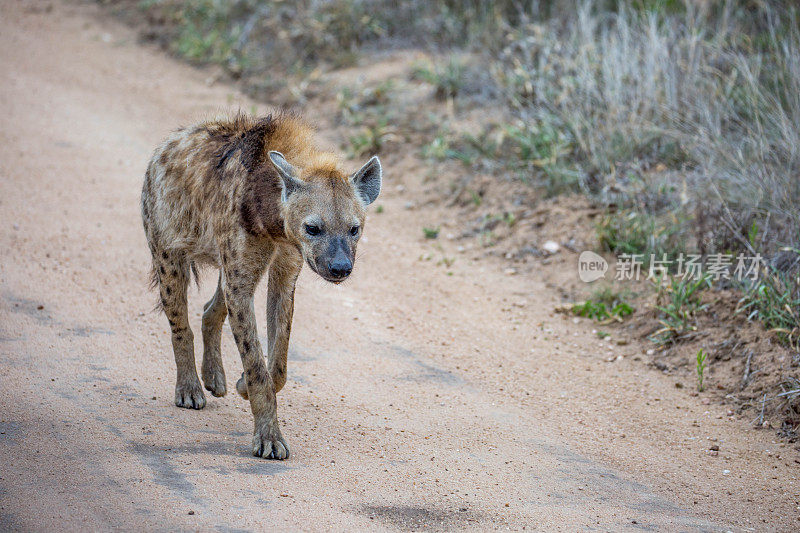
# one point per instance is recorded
(313, 230)
(354, 230)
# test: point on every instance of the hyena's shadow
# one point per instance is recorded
(164, 461)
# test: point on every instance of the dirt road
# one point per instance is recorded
(415, 400)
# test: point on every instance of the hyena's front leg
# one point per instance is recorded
(214, 314)
(283, 274)
(172, 271)
(268, 442)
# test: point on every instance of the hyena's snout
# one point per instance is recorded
(337, 263)
(340, 268)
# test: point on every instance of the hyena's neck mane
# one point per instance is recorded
(245, 141)
(252, 138)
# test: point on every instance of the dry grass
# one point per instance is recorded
(693, 114)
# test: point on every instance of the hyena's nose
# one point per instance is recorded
(340, 269)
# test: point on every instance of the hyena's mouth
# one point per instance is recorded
(335, 281)
(329, 279)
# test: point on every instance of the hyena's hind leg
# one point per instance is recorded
(172, 274)
(214, 315)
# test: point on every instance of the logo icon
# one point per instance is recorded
(591, 266)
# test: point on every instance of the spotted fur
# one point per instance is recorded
(248, 196)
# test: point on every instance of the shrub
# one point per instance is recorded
(774, 299)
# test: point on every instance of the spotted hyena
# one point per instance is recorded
(248, 196)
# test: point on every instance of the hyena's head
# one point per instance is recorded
(324, 212)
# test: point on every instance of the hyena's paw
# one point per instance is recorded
(190, 396)
(241, 387)
(214, 381)
(270, 444)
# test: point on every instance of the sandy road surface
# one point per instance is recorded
(413, 402)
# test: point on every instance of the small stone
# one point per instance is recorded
(714, 447)
(551, 247)
(726, 472)
(510, 271)
(191, 512)
(650, 351)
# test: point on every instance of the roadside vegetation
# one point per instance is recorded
(679, 120)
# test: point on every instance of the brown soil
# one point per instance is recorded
(746, 365)
(423, 394)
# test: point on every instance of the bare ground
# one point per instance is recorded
(416, 399)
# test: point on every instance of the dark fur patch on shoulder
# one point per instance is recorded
(261, 209)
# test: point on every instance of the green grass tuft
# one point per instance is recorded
(679, 302)
(700, 367)
(600, 312)
(448, 79)
(774, 299)
(430, 233)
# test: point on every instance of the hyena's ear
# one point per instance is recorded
(287, 172)
(367, 180)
